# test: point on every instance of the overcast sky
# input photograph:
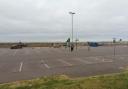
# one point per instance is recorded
(49, 20)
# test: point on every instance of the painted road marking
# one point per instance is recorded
(21, 66)
(121, 68)
(83, 61)
(65, 62)
(46, 65)
(121, 58)
(15, 52)
(100, 59)
(104, 60)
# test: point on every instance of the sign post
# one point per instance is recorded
(114, 44)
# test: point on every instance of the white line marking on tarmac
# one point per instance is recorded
(121, 58)
(121, 68)
(104, 60)
(83, 61)
(46, 65)
(15, 53)
(21, 66)
(65, 62)
(101, 59)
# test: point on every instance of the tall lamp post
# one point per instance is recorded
(72, 13)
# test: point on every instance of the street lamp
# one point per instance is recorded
(72, 13)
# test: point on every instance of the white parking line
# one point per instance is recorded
(21, 66)
(104, 60)
(83, 61)
(101, 59)
(121, 58)
(121, 68)
(15, 53)
(65, 62)
(46, 65)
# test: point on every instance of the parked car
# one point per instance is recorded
(16, 47)
(94, 44)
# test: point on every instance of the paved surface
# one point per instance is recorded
(28, 63)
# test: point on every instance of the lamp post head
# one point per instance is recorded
(72, 13)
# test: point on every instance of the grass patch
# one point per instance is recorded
(113, 81)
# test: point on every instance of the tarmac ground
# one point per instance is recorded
(29, 63)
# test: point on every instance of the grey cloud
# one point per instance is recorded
(34, 19)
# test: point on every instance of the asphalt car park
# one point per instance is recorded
(28, 63)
